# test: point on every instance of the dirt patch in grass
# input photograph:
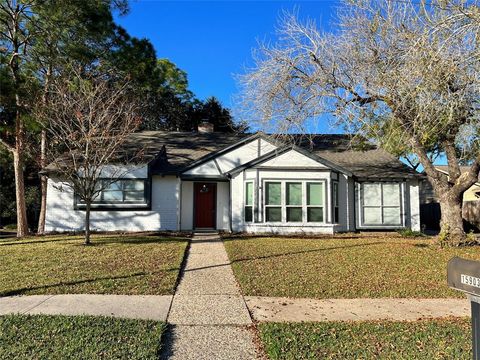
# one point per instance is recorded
(78, 337)
(426, 339)
(113, 264)
(344, 266)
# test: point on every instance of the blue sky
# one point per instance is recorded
(213, 40)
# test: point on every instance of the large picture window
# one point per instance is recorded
(381, 204)
(121, 193)
(294, 201)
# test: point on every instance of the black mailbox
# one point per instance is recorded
(464, 275)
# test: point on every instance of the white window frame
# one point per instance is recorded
(282, 201)
(304, 206)
(245, 201)
(382, 206)
(101, 203)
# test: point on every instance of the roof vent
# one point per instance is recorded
(205, 127)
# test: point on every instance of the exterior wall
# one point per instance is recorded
(125, 171)
(187, 206)
(413, 188)
(61, 216)
(233, 158)
(471, 193)
(186, 220)
(293, 158)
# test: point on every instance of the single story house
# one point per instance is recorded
(248, 183)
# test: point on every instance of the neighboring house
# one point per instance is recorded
(252, 183)
(430, 211)
(472, 194)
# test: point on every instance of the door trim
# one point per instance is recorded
(195, 205)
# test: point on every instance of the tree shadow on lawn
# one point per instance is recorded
(24, 290)
(264, 257)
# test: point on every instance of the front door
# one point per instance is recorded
(205, 205)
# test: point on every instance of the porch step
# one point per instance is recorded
(205, 232)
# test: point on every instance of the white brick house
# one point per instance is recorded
(253, 183)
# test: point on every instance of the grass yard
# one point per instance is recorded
(345, 266)
(78, 337)
(427, 339)
(113, 264)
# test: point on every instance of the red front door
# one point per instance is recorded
(205, 209)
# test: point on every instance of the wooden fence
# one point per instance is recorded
(471, 212)
(430, 215)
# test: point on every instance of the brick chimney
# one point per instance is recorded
(205, 127)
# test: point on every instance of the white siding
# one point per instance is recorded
(61, 215)
(414, 196)
(223, 193)
(233, 158)
(208, 168)
(186, 221)
(124, 171)
(351, 204)
(292, 158)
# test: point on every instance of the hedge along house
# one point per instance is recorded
(252, 183)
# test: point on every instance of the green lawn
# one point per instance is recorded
(78, 337)
(428, 339)
(113, 264)
(345, 266)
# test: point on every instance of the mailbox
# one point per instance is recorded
(464, 275)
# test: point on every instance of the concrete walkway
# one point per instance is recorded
(208, 317)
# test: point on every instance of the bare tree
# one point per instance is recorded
(89, 121)
(401, 72)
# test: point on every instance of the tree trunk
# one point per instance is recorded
(22, 225)
(43, 183)
(87, 223)
(451, 223)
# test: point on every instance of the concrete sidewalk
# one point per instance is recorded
(298, 310)
(208, 318)
(149, 307)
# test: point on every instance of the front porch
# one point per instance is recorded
(205, 205)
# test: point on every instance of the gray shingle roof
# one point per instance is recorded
(170, 152)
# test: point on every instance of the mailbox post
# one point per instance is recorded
(464, 275)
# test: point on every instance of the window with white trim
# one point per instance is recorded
(294, 201)
(273, 201)
(121, 192)
(248, 208)
(315, 201)
(381, 204)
